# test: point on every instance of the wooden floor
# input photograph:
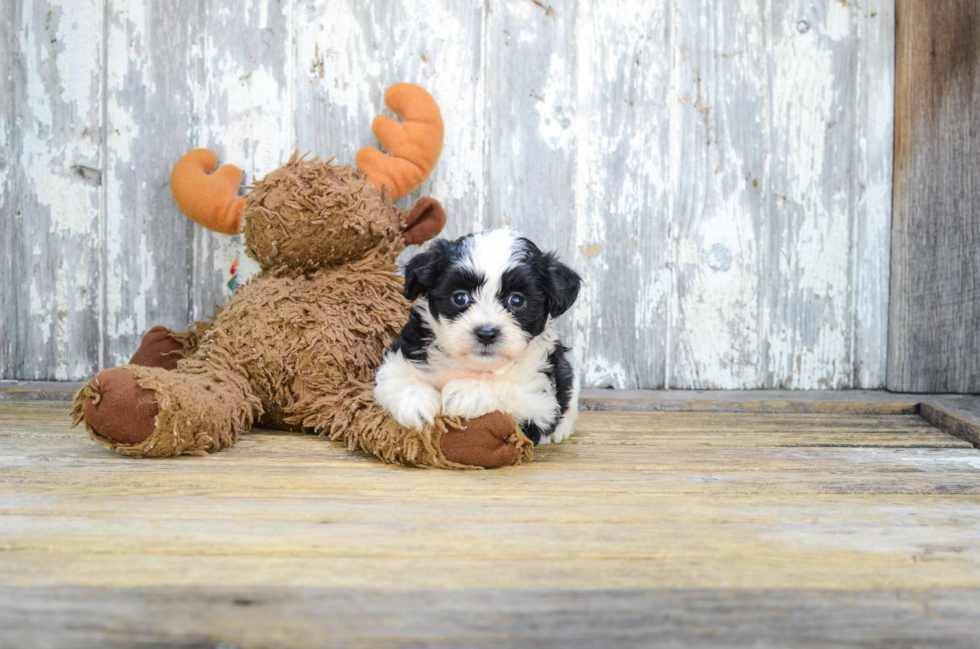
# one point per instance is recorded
(646, 528)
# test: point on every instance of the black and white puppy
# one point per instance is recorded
(481, 341)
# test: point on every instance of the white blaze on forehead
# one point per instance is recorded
(489, 254)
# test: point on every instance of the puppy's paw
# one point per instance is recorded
(562, 431)
(469, 399)
(412, 404)
(416, 408)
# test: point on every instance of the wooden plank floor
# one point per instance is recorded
(665, 528)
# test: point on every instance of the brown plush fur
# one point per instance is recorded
(297, 347)
(301, 217)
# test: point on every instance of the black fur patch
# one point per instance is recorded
(423, 270)
(414, 340)
(562, 377)
(524, 279)
(453, 279)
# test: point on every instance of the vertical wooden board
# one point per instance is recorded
(719, 150)
(934, 339)
(240, 69)
(577, 162)
(829, 208)
(348, 53)
(535, 131)
(8, 38)
(621, 163)
(809, 300)
(151, 122)
(52, 303)
(874, 137)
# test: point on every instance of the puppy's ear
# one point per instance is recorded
(561, 284)
(423, 269)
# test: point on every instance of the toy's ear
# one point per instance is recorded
(423, 221)
(208, 199)
(561, 284)
(422, 270)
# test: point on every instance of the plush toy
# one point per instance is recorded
(297, 347)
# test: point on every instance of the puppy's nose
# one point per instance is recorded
(487, 335)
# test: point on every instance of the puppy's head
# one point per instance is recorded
(489, 294)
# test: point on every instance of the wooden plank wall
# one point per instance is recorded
(934, 338)
(719, 171)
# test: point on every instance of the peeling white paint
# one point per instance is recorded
(555, 114)
(811, 348)
(873, 172)
(719, 125)
(53, 179)
(48, 155)
(838, 23)
(603, 373)
(678, 155)
(78, 22)
(130, 257)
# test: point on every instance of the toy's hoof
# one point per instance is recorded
(482, 442)
(158, 349)
(124, 412)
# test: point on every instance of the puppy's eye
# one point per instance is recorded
(516, 301)
(461, 298)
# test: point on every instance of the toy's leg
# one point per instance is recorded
(162, 347)
(152, 412)
(490, 441)
(158, 349)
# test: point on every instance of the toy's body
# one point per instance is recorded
(297, 347)
(297, 355)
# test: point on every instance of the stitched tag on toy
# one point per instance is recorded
(233, 282)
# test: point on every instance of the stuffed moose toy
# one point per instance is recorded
(298, 346)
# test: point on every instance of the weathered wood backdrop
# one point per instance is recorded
(719, 170)
(934, 322)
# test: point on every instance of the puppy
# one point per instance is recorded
(481, 341)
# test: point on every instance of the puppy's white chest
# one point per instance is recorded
(520, 389)
(441, 376)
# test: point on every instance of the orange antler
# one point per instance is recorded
(413, 145)
(208, 199)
